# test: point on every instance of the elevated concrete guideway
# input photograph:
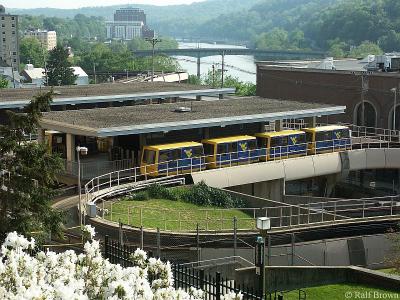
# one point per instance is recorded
(301, 168)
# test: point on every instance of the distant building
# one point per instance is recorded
(36, 76)
(128, 24)
(369, 87)
(47, 38)
(9, 45)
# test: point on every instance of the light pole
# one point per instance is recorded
(394, 90)
(153, 42)
(83, 151)
(263, 224)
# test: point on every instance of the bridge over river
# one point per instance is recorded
(259, 54)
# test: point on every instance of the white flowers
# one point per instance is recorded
(232, 296)
(89, 232)
(49, 275)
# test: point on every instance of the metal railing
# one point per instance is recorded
(95, 168)
(282, 216)
(194, 164)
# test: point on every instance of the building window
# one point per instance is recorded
(4, 39)
(12, 18)
(12, 25)
(14, 53)
(2, 18)
(2, 25)
(13, 32)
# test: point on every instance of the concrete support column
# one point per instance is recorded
(142, 143)
(311, 121)
(70, 145)
(221, 96)
(198, 98)
(278, 125)
(110, 104)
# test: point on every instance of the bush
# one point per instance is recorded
(139, 196)
(202, 194)
(157, 191)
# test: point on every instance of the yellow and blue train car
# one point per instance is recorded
(281, 144)
(172, 159)
(326, 139)
(234, 150)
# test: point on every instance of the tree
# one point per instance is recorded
(3, 82)
(31, 51)
(59, 71)
(28, 174)
(337, 48)
(242, 88)
(364, 49)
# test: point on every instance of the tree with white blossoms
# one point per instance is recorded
(50, 275)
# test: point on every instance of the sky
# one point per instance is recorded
(85, 3)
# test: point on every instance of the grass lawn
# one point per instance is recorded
(343, 292)
(165, 214)
(390, 271)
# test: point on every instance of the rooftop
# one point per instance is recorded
(109, 92)
(137, 119)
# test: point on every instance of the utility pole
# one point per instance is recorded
(153, 42)
(223, 68)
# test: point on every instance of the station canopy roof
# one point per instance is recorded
(137, 119)
(107, 92)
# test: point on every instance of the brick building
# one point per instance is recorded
(339, 87)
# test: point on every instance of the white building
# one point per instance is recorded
(124, 30)
(36, 76)
(47, 38)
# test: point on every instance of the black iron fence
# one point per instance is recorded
(213, 285)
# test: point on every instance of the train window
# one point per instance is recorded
(262, 142)
(309, 136)
(252, 145)
(221, 148)
(197, 151)
(164, 156)
(301, 139)
(149, 156)
(176, 154)
(279, 141)
(233, 147)
(345, 133)
(208, 149)
(323, 136)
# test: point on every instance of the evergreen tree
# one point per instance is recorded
(59, 71)
(28, 173)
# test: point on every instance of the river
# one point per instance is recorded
(240, 66)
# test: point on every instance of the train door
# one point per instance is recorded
(262, 143)
(279, 147)
(223, 154)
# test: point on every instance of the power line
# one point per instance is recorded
(153, 42)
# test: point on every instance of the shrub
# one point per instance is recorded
(202, 194)
(140, 196)
(161, 192)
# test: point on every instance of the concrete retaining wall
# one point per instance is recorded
(291, 278)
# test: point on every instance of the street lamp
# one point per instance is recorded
(83, 151)
(263, 224)
(394, 90)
